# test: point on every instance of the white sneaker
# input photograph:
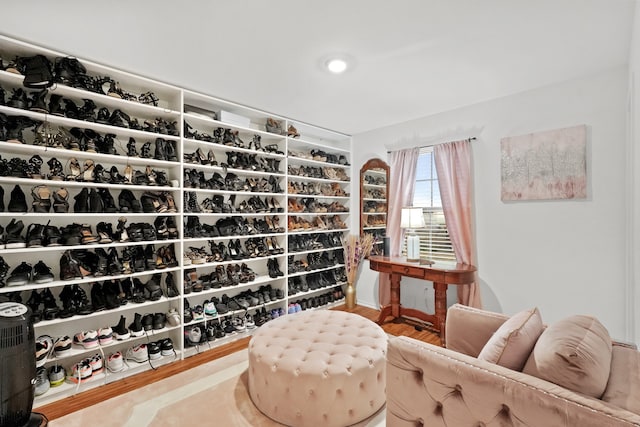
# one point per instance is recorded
(42, 381)
(115, 362)
(62, 346)
(173, 317)
(44, 347)
(87, 339)
(138, 353)
(105, 335)
(80, 372)
(96, 364)
(57, 375)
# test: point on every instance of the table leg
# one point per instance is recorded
(395, 294)
(441, 307)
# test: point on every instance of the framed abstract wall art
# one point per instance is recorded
(545, 165)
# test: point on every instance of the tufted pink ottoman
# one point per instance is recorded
(318, 368)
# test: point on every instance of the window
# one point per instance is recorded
(435, 243)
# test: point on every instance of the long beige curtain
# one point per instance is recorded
(453, 165)
(402, 180)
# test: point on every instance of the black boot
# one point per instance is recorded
(51, 308)
(95, 202)
(68, 303)
(107, 144)
(18, 202)
(161, 149)
(115, 266)
(102, 266)
(152, 287)
(81, 204)
(52, 236)
(37, 103)
(83, 305)
(112, 294)
(35, 235)
(18, 99)
(98, 298)
(146, 150)
(4, 269)
(55, 108)
(120, 331)
(34, 302)
(131, 148)
(15, 126)
(172, 290)
(87, 111)
(13, 234)
(69, 268)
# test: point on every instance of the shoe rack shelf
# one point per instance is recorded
(190, 118)
(105, 377)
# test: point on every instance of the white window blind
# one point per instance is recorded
(435, 243)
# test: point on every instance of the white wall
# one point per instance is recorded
(634, 176)
(566, 257)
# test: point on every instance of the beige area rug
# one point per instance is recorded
(214, 393)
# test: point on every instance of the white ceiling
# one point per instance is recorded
(412, 57)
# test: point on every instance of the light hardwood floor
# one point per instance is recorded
(91, 397)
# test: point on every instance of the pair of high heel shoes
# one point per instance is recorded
(78, 174)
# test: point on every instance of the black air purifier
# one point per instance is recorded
(17, 367)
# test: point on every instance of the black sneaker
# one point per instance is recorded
(159, 320)
(154, 351)
(147, 321)
(166, 347)
(42, 273)
(21, 275)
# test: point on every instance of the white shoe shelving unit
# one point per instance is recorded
(178, 106)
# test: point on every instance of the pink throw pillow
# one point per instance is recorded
(512, 343)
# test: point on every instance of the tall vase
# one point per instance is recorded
(350, 296)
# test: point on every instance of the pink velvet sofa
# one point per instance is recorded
(454, 387)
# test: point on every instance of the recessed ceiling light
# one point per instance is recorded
(336, 65)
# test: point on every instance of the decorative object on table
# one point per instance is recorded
(545, 165)
(356, 248)
(412, 218)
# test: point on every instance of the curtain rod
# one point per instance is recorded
(473, 138)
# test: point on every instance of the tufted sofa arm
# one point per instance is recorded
(437, 387)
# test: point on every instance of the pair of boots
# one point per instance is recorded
(74, 301)
(50, 308)
(94, 201)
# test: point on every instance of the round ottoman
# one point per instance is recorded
(318, 368)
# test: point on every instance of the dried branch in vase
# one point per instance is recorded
(356, 248)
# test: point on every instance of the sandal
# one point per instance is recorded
(128, 174)
(292, 132)
(88, 170)
(74, 166)
(273, 148)
(148, 98)
(41, 198)
(61, 201)
(274, 126)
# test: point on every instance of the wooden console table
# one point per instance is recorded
(440, 273)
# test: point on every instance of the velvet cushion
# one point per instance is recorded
(623, 388)
(574, 353)
(512, 343)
